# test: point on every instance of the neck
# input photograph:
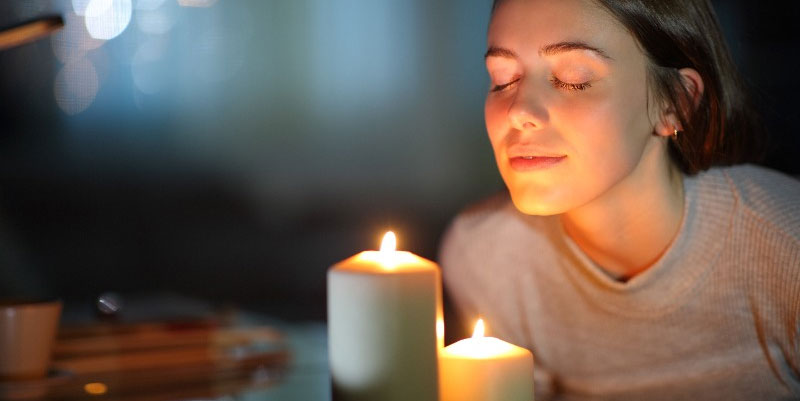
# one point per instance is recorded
(629, 227)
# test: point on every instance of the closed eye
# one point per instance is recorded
(498, 88)
(559, 84)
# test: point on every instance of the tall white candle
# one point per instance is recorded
(485, 369)
(382, 326)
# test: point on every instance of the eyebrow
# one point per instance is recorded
(548, 50)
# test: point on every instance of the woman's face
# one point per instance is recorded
(567, 113)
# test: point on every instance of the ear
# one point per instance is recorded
(693, 84)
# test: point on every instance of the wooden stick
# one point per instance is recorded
(29, 31)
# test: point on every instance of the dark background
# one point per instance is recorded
(234, 152)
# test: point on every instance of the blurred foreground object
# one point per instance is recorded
(27, 331)
(108, 304)
(157, 360)
(29, 31)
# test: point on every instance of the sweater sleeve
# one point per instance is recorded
(769, 207)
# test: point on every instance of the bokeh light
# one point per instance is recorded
(157, 21)
(79, 6)
(103, 65)
(148, 74)
(73, 41)
(106, 19)
(76, 86)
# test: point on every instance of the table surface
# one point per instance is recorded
(302, 375)
(167, 348)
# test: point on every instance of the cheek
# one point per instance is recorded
(495, 115)
(610, 132)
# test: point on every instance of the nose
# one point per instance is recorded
(527, 112)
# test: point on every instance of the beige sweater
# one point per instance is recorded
(717, 317)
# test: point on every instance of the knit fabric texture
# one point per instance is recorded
(716, 317)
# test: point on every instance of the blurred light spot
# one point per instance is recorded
(149, 75)
(109, 303)
(76, 86)
(148, 4)
(95, 388)
(73, 41)
(197, 3)
(154, 21)
(102, 64)
(105, 19)
(80, 6)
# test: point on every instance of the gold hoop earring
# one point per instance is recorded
(675, 134)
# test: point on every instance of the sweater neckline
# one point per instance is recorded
(685, 264)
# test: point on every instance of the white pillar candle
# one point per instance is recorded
(382, 326)
(485, 369)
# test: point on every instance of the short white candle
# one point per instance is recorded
(382, 326)
(485, 369)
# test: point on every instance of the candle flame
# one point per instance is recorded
(479, 329)
(389, 243)
(440, 332)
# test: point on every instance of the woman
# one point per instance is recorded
(628, 254)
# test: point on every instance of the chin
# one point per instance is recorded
(536, 206)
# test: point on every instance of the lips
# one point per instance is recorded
(530, 163)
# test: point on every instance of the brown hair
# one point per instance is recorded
(724, 128)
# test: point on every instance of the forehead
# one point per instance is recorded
(522, 25)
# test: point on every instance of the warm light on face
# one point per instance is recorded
(95, 388)
(604, 128)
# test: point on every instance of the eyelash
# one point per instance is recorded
(498, 88)
(570, 87)
(557, 83)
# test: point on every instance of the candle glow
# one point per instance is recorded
(485, 369)
(389, 242)
(387, 259)
(383, 330)
(388, 250)
(481, 347)
(479, 329)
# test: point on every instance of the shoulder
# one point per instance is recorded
(764, 229)
(485, 215)
(767, 229)
(475, 223)
(493, 221)
(767, 197)
(486, 233)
